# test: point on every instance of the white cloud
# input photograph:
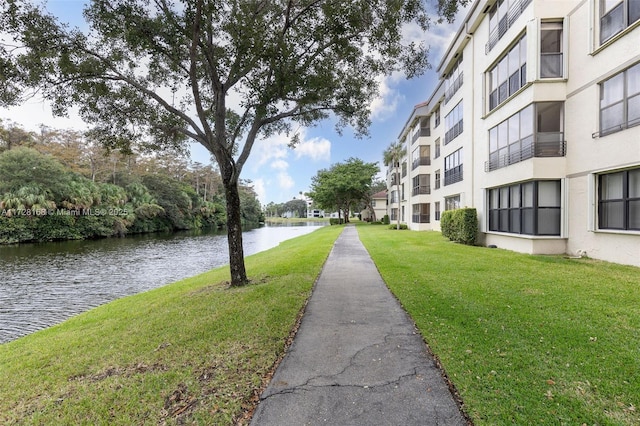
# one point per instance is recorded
(259, 187)
(285, 181)
(279, 164)
(318, 149)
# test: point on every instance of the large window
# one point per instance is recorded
(421, 156)
(437, 210)
(453, 80)
(452, 203)
(509, 74)
(420, 213)
(531, 208)
(620, 101)
(453, 123)
(551, 50)
(421, 185)
(619, 200)
(501, 17)
(535, 131)
(453, 167)
(616, 15)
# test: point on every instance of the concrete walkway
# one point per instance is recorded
(357, 358)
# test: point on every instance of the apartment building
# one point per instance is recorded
(535, 122)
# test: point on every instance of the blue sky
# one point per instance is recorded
(278, 172)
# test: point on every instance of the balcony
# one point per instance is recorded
(505, 23)
(551, 144)
(453, 175)
(421, 190)
(422, 131)
(457, 84)
(421, 161)
(420, 218)
(452, 133)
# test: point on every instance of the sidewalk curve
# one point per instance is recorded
(357, 358)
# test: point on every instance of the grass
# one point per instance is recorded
(525, 339)
(190, 352)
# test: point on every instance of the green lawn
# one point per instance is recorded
(194, 351)
(525, 339)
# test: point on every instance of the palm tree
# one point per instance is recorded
(392, 155)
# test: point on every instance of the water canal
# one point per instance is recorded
(44, 284)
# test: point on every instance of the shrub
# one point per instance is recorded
(460, 225)
(386, 220)
(395, 226)
(336, 221)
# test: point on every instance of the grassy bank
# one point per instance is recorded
(193, 351)
(525, 339)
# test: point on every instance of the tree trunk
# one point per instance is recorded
(234, 235)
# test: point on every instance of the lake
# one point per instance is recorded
(44, 284)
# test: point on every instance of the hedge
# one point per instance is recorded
(460, 225)
(336, 221)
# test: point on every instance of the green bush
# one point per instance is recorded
(395, 226)
(335, 221)
(386, 220)
(460, 225)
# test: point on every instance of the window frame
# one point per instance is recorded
(623, 103)
(623, 9)
(502, 87)
(626, 201)
(526, 217)
(453, 167)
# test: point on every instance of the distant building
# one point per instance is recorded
(535, 122)
(379, 204)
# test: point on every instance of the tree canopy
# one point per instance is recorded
(223, 73)
(343, 185)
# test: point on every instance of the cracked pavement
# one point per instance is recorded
(357, 358)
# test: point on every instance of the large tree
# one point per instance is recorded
(343, 185)
(223, 73)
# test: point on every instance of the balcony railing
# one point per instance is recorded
(453, 132)
(451, 90)
(547, 144)
(420, 218)
(422, 131)
(421, 161)
(453, 175)
(505, 23)
(421, 190)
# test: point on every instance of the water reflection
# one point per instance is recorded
(43, 284)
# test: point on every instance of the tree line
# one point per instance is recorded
(60, 184)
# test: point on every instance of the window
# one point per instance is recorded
(421, 185)
(394, 214)
(535, 131)
(437, 153)
(531, 208)
(501, 17)
(453, 167)
(394, 197)
(437, 179)
(404, 168)
(453, 80)
(437, 210)
(452, 203)
(616, 15)
(509, 74)
(453, 123)
(620, 101)
(619, 200)
(437, 117)
(551, 50)
(421, 156)
(421, 213)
